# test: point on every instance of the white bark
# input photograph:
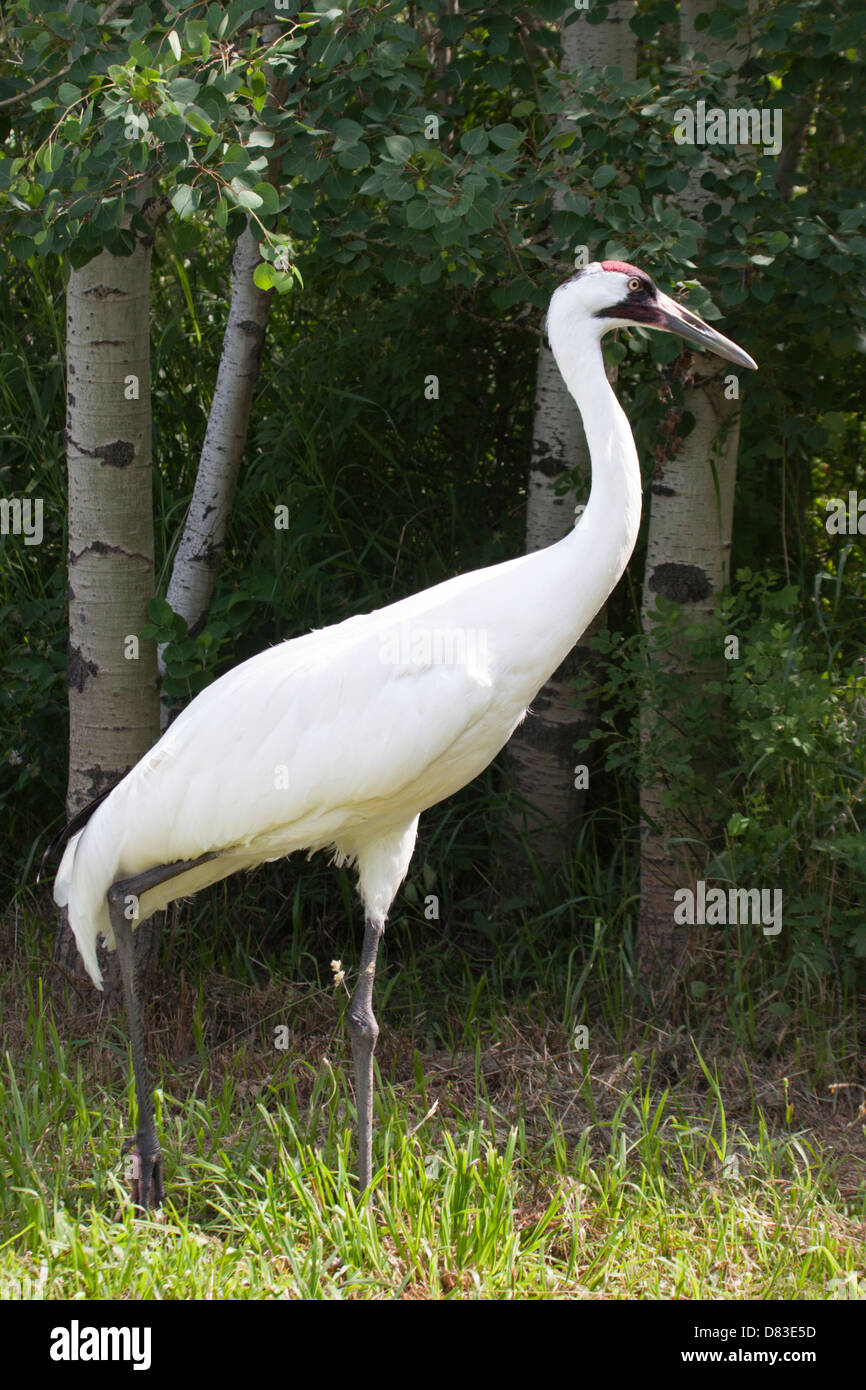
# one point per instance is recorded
(113, 702)
(694, 197)
(200, 552)
(688, 561)
(611, 44)
(692, 504)
(113, 709)
(199, 555)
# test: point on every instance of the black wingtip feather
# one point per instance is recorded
(77, 823)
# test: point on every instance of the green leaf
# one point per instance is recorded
(576, 202)
(350, 131)
(399, 147)
(246, 197)
(198, 122)
(354, 157)
(566, 225)
(268, 196)
(50, 157)
(604, 175)
(141, 53)
(161, 612)
(419, 213)
(778, 241)
(403, 272)
(474, 141)
(505, 136)
(185, 200)
(168, 128)
(480, 216)
(374, 184)
(184, 89)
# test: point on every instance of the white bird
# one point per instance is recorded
(341, 738)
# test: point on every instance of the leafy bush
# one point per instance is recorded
(789, 713)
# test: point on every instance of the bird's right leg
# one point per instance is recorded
(123, 899)
(363, 1032)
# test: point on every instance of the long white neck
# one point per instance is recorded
(599, 547)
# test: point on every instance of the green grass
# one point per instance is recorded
(508, 1164)
(716, 1154)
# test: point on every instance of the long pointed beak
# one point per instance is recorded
(674, 319)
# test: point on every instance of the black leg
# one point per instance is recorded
(148, 1187)
(363, 1032)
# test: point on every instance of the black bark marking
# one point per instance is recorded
(680, 583)
(546, 459)
(120, 454)
(78, 671)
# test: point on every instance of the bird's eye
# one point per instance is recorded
(634, 283)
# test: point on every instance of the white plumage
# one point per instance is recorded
(341, 738)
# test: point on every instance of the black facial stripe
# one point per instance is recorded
(638, 307)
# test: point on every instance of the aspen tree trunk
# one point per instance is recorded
(541, 752)
(688, 562)
(199, 555)
(113, 704)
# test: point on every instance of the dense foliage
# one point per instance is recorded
(404, 257)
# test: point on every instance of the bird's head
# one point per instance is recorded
(614, 294)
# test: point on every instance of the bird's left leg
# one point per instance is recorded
(148, 1188)
(123, 899)
(363, 1032)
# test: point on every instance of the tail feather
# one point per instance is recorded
(85, 937)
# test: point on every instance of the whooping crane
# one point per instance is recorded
(341, 738)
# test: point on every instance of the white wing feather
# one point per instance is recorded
(335, 739)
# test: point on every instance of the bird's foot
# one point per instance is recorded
(144, 1173)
